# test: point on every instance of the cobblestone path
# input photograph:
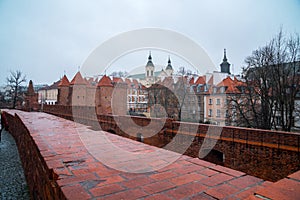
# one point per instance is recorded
(12, 181)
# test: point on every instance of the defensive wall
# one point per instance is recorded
(271, 155)
(58, 165)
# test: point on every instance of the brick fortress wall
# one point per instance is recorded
(270, 155)
(40, 179)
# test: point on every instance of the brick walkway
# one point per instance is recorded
(89, 166)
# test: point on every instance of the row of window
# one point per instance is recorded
(210, 102)
(218, 113)
(136, 99)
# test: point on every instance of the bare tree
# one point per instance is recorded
(14, 81)
(119, 74)
(271, 85)
(182, 71)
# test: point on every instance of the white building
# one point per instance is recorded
(48, 94)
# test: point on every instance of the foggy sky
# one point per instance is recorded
(45, 38)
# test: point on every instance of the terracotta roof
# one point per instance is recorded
(231, 85)
(78, 80)
(64, 81)
(226, 82)
(191, 82)
(117, 80)
(200, 80)
(238, 82)
(232, 89)
(105, 81)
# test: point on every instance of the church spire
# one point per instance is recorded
(169, 68)
(149, 57)
(225, 58)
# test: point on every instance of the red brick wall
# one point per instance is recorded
(270, 155)
(77, 95)
(40, 179)
(63, 93)
(103, 100)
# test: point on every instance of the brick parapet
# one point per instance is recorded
(41, 179)
(58, 166)
(276, 154)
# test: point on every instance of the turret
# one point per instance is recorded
(63, 91)
(225, 65)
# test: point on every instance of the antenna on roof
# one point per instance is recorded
(64, 72)
(78, 68)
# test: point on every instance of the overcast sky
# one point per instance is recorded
(45, 38)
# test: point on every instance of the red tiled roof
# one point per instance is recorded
(105, 81)
(64, 81)
(191, 82)
(226, 82)
(78, 80)
(230, 84)
(200, 80)
(117, 80)
(232, 89)
(238, 82)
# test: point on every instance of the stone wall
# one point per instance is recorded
(270, 155)
(40, 179)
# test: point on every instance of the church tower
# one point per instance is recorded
(169, 68)
(149, 73)
(225, 65)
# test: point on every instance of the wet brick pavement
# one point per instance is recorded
(12, 181)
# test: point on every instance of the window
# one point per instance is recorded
(222, 89)
(210, 102)
(215, 90)
(218, 113)
(205, 88)
(199, 88)
(151, 73)
(210, 113)
(147, 73)
(218, 102)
